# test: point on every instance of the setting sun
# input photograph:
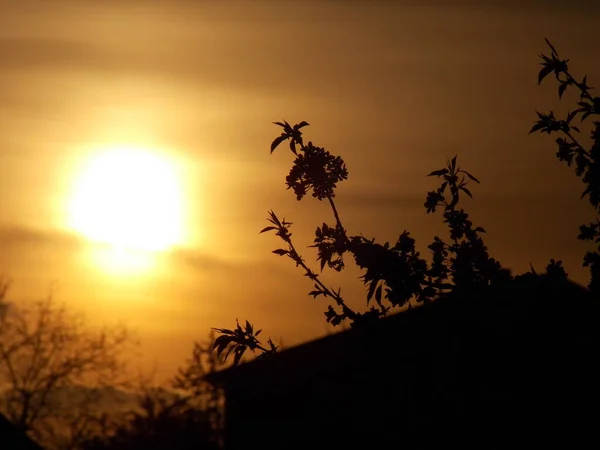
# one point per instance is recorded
(130, 199)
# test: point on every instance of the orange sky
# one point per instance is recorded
(392, 87)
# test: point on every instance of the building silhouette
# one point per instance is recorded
(510, 365)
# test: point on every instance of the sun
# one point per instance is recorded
(129, 199)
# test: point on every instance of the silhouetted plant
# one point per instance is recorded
(238, 341)
(397, 276)
(571, 149)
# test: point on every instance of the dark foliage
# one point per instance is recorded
(571, 150)
(187, 416)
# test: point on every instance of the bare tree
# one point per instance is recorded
(186, 414)
(55, 367)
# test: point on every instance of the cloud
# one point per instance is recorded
(16, 237)
(198, 260)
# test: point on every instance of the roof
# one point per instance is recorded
(523, 299)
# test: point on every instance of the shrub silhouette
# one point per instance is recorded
(185, 415)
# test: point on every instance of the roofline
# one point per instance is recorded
(222, 375)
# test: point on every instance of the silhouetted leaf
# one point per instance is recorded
(466, 191)
(561, 89)
(301, 125)
(438, 173)
(267, 229)
(453, 163)
(281, 251)
(546, 70)
(372, 287)
(571, 116)
(278, 140)
(538, 126)
(532, 269)
(470, 176)
(238, 356)
(378, 294)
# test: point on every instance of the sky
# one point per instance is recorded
(394, 87)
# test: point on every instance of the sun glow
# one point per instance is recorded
(130, 201)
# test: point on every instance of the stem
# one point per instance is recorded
(260, 347)
(335, 212)
(584, 93)
(583, 150)
(313, 276)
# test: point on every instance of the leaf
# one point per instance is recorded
(453, 163)
(238, 355)
(438, 173)
(571, 116)
(372, 287)
(221, 343)
(301, 125)
(480, 229)
(546, 70)
(279, 123)
(561, 89)
(378, 294)
(278, 140)
(587, 191)
(470, 176)
(466, 191)
(265, 229)
(538, 126)
(532, 269)
(274, 219)
(281, 251)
